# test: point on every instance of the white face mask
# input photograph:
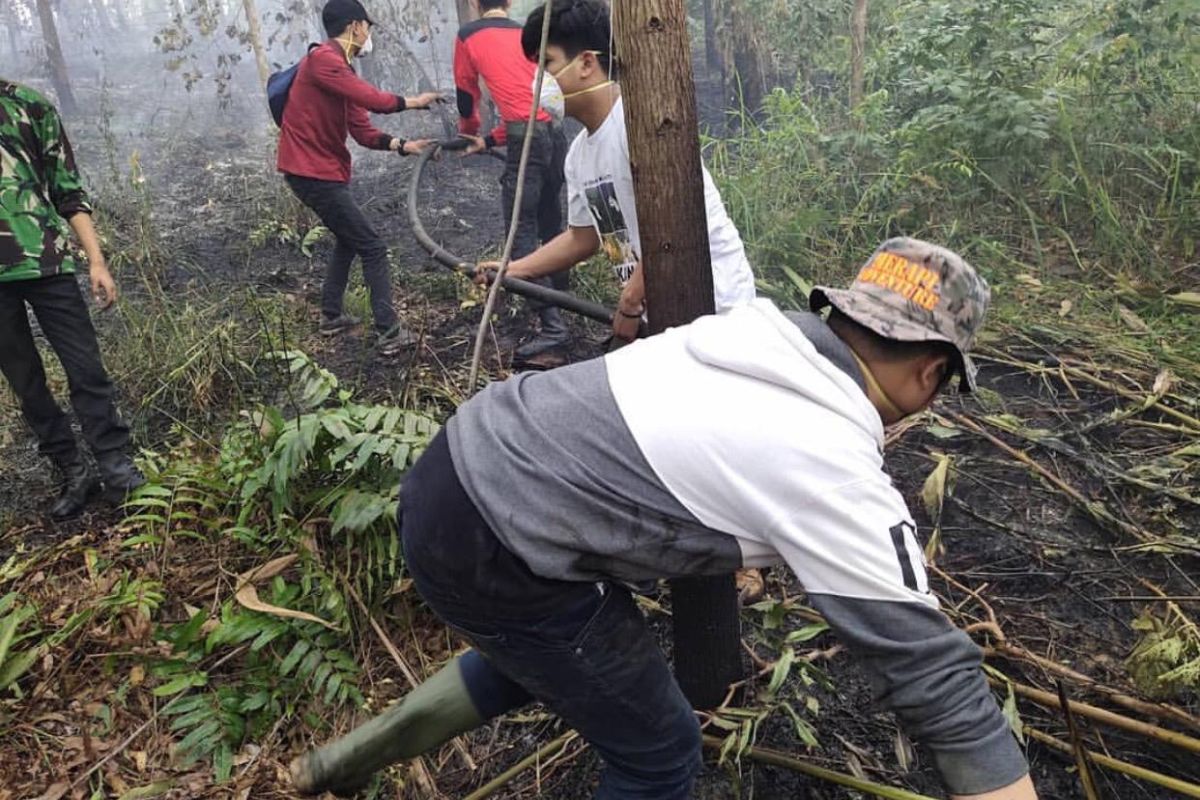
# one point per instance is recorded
(552, 100)
(367, 46)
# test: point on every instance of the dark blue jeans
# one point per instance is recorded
(583, 650)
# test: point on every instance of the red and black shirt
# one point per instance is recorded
(490, 49)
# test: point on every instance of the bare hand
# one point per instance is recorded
(626, 323)
(485, 272)
(478, 144)
(414, 146)
(104, 288)
(425, 100)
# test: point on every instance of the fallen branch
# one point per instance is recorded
(1183, 787)
(506, 777)
(158, 712)
(1162, 711)
(1104, 716)
(1061, 369)
(1006, 649)
(777, 759)
(1097, 510)
(1081, 759)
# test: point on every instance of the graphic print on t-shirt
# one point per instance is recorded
(615, 239)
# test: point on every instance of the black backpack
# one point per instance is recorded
(279, 86)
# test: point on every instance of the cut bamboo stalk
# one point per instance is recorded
(1003, 358)
(1081, 759)
(1095, 509)
(777, 759)
(1185, 788)
(1161, 711)
(506, 777)
(1104, 716)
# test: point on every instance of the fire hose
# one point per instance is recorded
(529, 289)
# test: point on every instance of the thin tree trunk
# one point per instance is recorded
(58, 67)
(712, 53)
(664, 151)
(858, 52)
(466, 12)
(10, 25)
(122, 17)
(747, 67)
(256, 41)
(102, 17)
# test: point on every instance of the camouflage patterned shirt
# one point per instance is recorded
(39, 187)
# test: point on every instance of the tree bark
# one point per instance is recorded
(466, 12)
(58, 67)
(664, 153)
(99, 12)
(858, 52)
(712, 53)
(10, 25)
(254, 28)
(747, 66)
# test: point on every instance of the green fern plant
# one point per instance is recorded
(289, 667)
(1166, 661)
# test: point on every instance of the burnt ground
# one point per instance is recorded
(1056, 578)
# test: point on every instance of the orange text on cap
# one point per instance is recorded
(906, 278)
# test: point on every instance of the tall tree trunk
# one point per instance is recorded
(466, 12)
(102, 16)
(858, 52)
(122, 17)
(712, 53)
(58, 67)
(254, 27)
(10, 25)
(747, 68)
(664, 153)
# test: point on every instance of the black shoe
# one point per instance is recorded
(121, 476)
(542, 352)
(332, 326)
(396, 340)
(80, 485)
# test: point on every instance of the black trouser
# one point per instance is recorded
(63, 317)
(354, 235)
(541, 216)
(582, 649)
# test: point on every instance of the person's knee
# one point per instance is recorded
(374, 249)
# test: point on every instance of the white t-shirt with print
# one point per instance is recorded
(600, 194)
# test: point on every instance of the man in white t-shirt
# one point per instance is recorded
(601, 211)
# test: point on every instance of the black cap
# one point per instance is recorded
(337, 14)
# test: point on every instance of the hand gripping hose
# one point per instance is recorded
(534, 291)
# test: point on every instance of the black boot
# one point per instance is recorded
(80, 484)
(548, 349)
(120, 475)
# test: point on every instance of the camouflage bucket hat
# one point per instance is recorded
(913, 291)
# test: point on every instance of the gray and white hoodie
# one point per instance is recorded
(743, 439)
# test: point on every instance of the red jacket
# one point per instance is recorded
(327, 101)
(491, 48)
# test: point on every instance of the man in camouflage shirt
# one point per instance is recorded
(41, 195)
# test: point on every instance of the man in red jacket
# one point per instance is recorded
(327, 101)
(490, 48)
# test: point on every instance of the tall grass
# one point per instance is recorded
(1033, 137)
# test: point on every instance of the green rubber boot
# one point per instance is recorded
(433, 713)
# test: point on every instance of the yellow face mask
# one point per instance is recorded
(873, 383)
(570, 66)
